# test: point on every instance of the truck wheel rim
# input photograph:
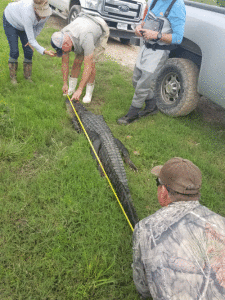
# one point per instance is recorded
(171, 88)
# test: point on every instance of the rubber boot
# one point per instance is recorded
(150, 108)
(12, 72)
(72, 86)
(89, 91)
(27, 71)
(131, 116)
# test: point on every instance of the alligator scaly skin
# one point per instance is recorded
(108, 149)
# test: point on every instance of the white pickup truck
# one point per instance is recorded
(120, 15)
(197, 66)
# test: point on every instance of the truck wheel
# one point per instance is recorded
(74, 11)
(125, 41)
(176, 87)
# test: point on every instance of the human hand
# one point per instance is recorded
(50, 53)
(28, 44)
(138, 30)
(65, 89)
(77, 94)
(149, 34)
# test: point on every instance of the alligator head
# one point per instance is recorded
(80, 109)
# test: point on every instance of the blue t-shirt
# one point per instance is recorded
(177, 17)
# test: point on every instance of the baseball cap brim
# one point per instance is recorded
(58, 50)
(156, 170)
(180, 175)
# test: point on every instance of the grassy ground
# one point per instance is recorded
(63, 235)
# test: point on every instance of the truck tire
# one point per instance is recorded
(74, 11)
(176, 87)
(125, 41)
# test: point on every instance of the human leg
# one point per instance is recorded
(138, 80)
(136, 76)
(28, 55)
(133, 111)
(160, 58)
(75, 72)
(150, 101)
(90, 86)
(12, 37)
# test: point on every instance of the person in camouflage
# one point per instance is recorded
(179, 252)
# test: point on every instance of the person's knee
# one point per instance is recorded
(28, 54)
(14, 53)
(134, 82)
(78, 63)
(93, 71)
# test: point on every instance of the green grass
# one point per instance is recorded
(63, 235)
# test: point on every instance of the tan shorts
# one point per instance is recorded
(102, 46)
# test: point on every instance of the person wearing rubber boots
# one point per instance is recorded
(162, 28)
(25, 19)
(87, 36)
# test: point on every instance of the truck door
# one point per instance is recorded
(62, 5)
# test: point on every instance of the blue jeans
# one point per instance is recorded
(12, 35)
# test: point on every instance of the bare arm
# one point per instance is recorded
(88, 66)
(65, 71)
(152, 35)
(166, 38)
(139, 27)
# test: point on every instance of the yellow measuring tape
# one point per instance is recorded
(76, 114)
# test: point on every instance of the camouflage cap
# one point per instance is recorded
(180, 175)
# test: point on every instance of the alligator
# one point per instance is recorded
(108, 149)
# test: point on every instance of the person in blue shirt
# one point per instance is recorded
(25, 19)
(162, 28)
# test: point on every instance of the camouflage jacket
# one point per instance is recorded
(179, 253)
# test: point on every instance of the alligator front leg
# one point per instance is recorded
(96, 142)
(69, 108)
(76, 125)
(125, 154)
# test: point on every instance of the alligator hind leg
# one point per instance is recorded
(125, 154)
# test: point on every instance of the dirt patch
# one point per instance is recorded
(56, 22)
(126, 56)
(211, 112)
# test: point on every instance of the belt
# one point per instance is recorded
(159, 47)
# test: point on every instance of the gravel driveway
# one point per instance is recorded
(126, 55)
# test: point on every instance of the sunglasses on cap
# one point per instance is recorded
(58, 50)
(158, 183)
